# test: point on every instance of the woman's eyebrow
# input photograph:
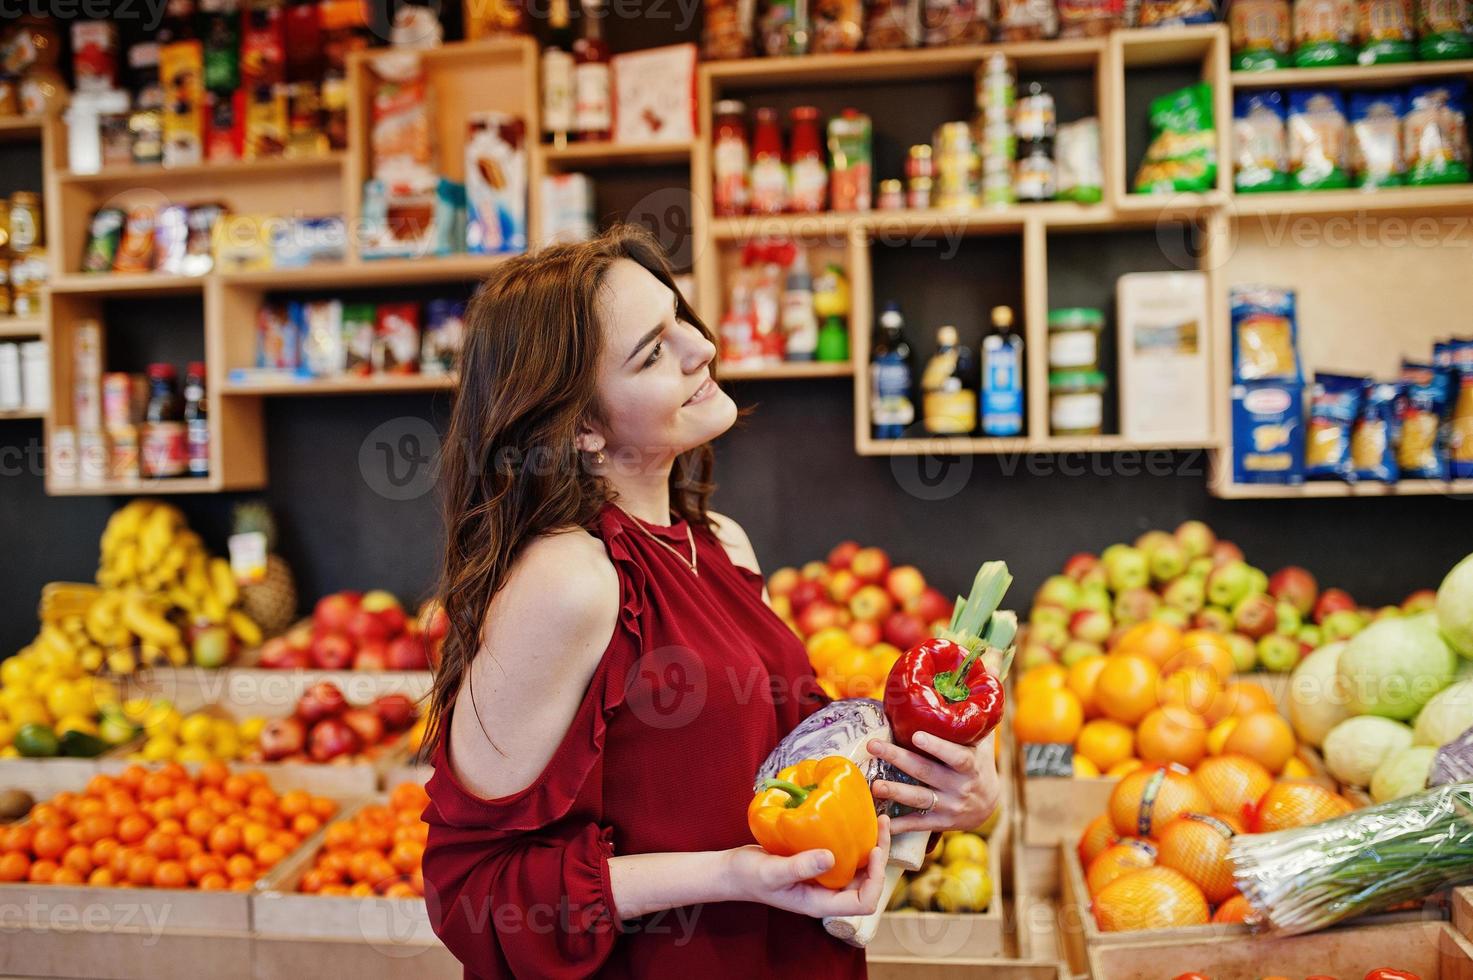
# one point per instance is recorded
(644, 341)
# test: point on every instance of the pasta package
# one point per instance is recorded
(1435, 134)
(1334, 406)
(1175, 13)
(1268, 432)
(1265, 334)
(1460, 422)
(1373, 439)
(1260, 34)
(1375, 139)
(1421, 452)
(1090, 18)
(1260, 143)
(1317, 140)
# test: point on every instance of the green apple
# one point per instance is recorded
(1057, 615)
(1168, 560)
(1279, 654)
(1257, 581)
(1187, 593)
(1200, 567)
(1342, 624)
(211, 646)
(1245, 652)
(1058, 590)
(1196, 537)
(1289, 620)
(1171, 615)
(1128, 569)
(1036, 654)
(1311, 634)
(1228, 583)
(1151, 540)
(1095, 597)
(1077, 650)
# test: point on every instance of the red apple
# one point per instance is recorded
(1420, 601)
(1255, 616)
(872, 603)
(396, 711)
(930, 605)
(281, 737)
(843, 585)
(1296, 586)
(1225, 551)
(332, 612)
(1135, 605)
(1079, 565)
(408, 653)
(332, 651)
(1091, 625)
(300, 635)
(433, 621)
(805, 593)
(330, 738)
(842, 554)
(818, 615)
(1331, 601)
(864, 632)
(278, 653)
(815, 570)
(322, 700)
(904, 630)
(782, 581)
(1195, 537)
(905, 583)
(373, 655)
(1213, 618)
(871, 565)
(366, 724)
(366, 627)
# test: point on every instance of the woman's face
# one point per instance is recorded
(655, 389)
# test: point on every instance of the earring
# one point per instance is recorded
(598, 458)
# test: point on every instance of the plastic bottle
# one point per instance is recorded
(769, 179)
(800, 324)
(1002, 377)
(164, 450)
(892, 408)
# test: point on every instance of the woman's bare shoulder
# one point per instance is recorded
(738, 546)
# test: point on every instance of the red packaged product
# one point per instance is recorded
(262, 45)
(808, 176)
(396, 338)
(224, 125)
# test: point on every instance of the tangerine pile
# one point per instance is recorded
(1158, 857)
(376, 851)
(1160, 696)
(162, 828)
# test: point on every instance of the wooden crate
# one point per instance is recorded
(1463, 911)
(43, 778)
(924, 968)
(125, 954)
(286, 958)
(1056, 810)
(1431, 950)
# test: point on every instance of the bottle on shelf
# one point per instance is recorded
(769, 176)
(831, 304)
(949, 387)
(163, 447)
(1002, 377)
(892, 409)
(807, 174)
(730, 159)
(592, 105)
(558, 104)
(739, 343)
(196, 420)
(800, 323)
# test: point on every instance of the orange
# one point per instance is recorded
(132, 777)
(119, 861)
(120, 802)
(1099, 835)
(400, 889)
(225, 840)
(1156, 898)
(170, 874)
(170, 826)
(305, 823)
(269, 854)
(236, 787)
(188, 847)
(102, 877)
(1104, 742)
(1197, 689)
(1263, 736)
(66, 876)
(406, 856)
(1197, 846)
(1118, 860)
(1048, 715)
(78, 857)
(340, 834)
(141, 868)
(410, 796)
(323, 808)
(253, 835)
(17, 837)
(1204, 648)
(294, 802)
(200, 821)
(214, 881)
(242, 884)
(362, 863)
(1082, 678)
(1233, 783)
(63, 802)
(1171, 792)
(1126, 687)
(1124, 768)
(202, 864)
(1289, 805)
(43, 872)
(100, 785)
(240, 866)
(1241, 698)
(312, 882)
(50, 842)
(47, 815)
(213, 773)
(1154, 640)
(262, 796)
(156, 786)
(1234, 911)
(1042, 677)
(90, 830)
(286, 839)
(361, 889)
(1172, 734)
(14, 866)
(162, 845)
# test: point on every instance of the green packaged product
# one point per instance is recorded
(1384, 30)
(1324, 33)
(1183, 151)
(1444, 29)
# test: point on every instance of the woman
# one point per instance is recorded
(613, 677)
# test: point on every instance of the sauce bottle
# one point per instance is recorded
(891, 407)
(593, 114)
(808, 176)
(163, 450)
(1002, 377)
(769, 178)
(949, 385)
(730, 159)
(800, 324)
(196, 420)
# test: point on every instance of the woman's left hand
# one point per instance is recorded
(959, 787)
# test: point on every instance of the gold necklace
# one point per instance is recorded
(687, 562)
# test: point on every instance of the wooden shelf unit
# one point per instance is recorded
(21, 129)
(1359, 76)
(589, 156)
(268, 168)
(22, 326)
(789, 371)
(374, 384)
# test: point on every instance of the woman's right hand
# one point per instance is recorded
(785, 882)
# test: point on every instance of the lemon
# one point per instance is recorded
(76, 723)
(250, 729)
(64, 661)
(159, 748)
(69, 699)
(193, 753)
(136, 709)
(16, 672)
(104, 691)
(197, 729)
(225, 728)
(162, 718)
(122, 662)
(9, 752)
(964, 847)
(28, 711)
(116, 730)
(227, 748)
(7, 733)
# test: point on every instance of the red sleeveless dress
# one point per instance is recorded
(699, 682)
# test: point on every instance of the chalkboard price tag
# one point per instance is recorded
(1048, 759)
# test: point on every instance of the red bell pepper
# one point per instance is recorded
(939, 686)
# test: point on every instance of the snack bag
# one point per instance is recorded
(1435, 134)
(1260, 34)
(1260, 143)
(1460, 420)
(1421, 450)
(1373, 439)
(1444, 29)
(1383, 29)
(1077, 149)
(1183, 151)
(359, 321)
(1175, 13)
(322, 338)
(1375, 139)
(1334, 406)
(838, 26)
(1317, 139)
(1265, 334)
(1324, 32)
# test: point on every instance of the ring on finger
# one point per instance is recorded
(932, 805)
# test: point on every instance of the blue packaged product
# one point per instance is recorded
(1260, 142)
(1460, 415)
(1376, 159)
(1265, 334)
(1317, 139)
(1334, 405)
(1268, 432)
(1435, 134)
(1421, 447)
(1373, 439)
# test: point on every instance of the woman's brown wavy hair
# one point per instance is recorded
(510, 470)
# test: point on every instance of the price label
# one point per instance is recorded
(1048, 759)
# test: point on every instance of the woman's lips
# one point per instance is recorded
(705, 391)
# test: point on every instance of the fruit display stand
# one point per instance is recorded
(46, 777)
(258, 690)
(1463, 911)
(1430, 950)
(924, 968)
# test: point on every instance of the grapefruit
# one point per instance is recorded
(1118, 860)
(1263, 736)
(1148, 799)
(1294, 804)
(1234, 783)
(1099, 835)
(1155, 898)
(1197, 846)
(1172, 734)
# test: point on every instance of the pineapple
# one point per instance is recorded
(272, 602)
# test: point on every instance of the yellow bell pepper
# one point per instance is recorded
(818, 803)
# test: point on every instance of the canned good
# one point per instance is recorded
(123, 452)
(958, 167)
(918, 194)
(1035, 178)
(892, 197)
(27, 276)
(124, 396)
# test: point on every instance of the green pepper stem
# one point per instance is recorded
(796, 794)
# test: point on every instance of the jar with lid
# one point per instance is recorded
(1076, 403)
(730, 158)
(164, 450)
(1035, 178)
(891, 197)
(808, 176)
(1074, 338)
(25, 222)
(1035, 117)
